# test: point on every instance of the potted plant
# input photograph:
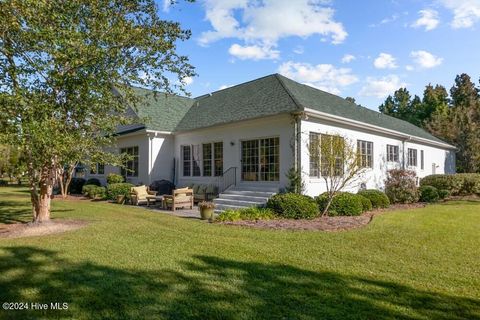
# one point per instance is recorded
(206, 210)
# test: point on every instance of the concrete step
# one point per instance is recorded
(243, 203)
(222, 207)
(255, 188)
(241, 197)
(250, 193)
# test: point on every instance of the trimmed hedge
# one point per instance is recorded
(442, 193)
(114, 178)
(401, 187)
(428, 194)
(455, 184)
(366, 203)
(293, 206)
(94, 181)
(94, 192)
(253, 213)
(118, 189)
(343, 204)
(377, 197)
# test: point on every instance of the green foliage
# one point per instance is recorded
(295, 183)
(343, 204)
(428, 194)
(377, 197)
(118, 189)
(442, 193)
(253, 213)
(114, 178)
(293, 206)
(76, 186)
(94, 181)
(61, 63)
(366, 203)
(94, 192)
(400, 186)
(455, 184)
(87, 189)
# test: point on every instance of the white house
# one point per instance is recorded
(246, 138)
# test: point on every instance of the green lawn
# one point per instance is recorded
(133, 263)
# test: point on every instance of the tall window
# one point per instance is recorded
(207, 159)
(322, 148)
(98, 168)
(412, 157)
(422, 160)
(202, 160)
(269, 159)
(392, 153)
(187, 160)
(218, 156)
(130, 168)
(314, 154)
(365, 152)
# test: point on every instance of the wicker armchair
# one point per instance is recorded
(142, 195)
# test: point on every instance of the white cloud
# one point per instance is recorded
(253, 52)
(425, 59)
(322, 76)
(385, 61)
(348, 58)
(187, 81)
(299, 50)
(263, 23)
(381, 87)
(428, 19)
(409, 68)
(465, 12)
(166, 5)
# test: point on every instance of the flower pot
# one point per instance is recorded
(206, 213)
(121, 199)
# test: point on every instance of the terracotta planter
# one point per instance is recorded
(121, 199)
(206, 213)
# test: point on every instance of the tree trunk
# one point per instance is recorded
(41, 200)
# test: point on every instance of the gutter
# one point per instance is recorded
(363, 125)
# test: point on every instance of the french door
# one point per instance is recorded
(261, 159)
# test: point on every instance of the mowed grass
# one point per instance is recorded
(133, 263)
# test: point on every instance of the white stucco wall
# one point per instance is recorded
(443, 159)
(231, 135)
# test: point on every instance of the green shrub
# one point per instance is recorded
(442, 194)
(455, 184)
(377, 197)
(400, 186)
(118, 189)
(98, 193)
(428, 194)
(87, 189)
(293, 206)
(94, 181)
(76, 185)
(253, 213)
(346, 204)
(114, 178)
(366, 203)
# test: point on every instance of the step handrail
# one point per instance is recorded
(227, 179)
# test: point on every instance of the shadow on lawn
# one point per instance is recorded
(211, 288)
(19, 212)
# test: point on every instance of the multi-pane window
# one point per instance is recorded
(202, 160)
(412, 157)
(187, 160)
(196, 171)
(218, 158)
(250, 160)
(98, 168)
(422, 160)
(130, 168)
(365, 153)
(392, 153)
(207, 159)
(326, 155)
(314, 146)
(269, 159)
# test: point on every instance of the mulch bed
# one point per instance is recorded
(322, 223)
(22, 230)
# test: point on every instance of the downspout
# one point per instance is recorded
(297, 143)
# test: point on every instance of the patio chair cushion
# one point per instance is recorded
(201, 189)
(211, 189)
(140, 192)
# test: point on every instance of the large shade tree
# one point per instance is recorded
(66, 70)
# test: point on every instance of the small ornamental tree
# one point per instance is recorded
(401, 187)
(337, 162)
(66, 71)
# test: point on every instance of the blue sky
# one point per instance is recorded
(365, 49)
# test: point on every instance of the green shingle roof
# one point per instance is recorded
(158, 111)
(266, 96)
